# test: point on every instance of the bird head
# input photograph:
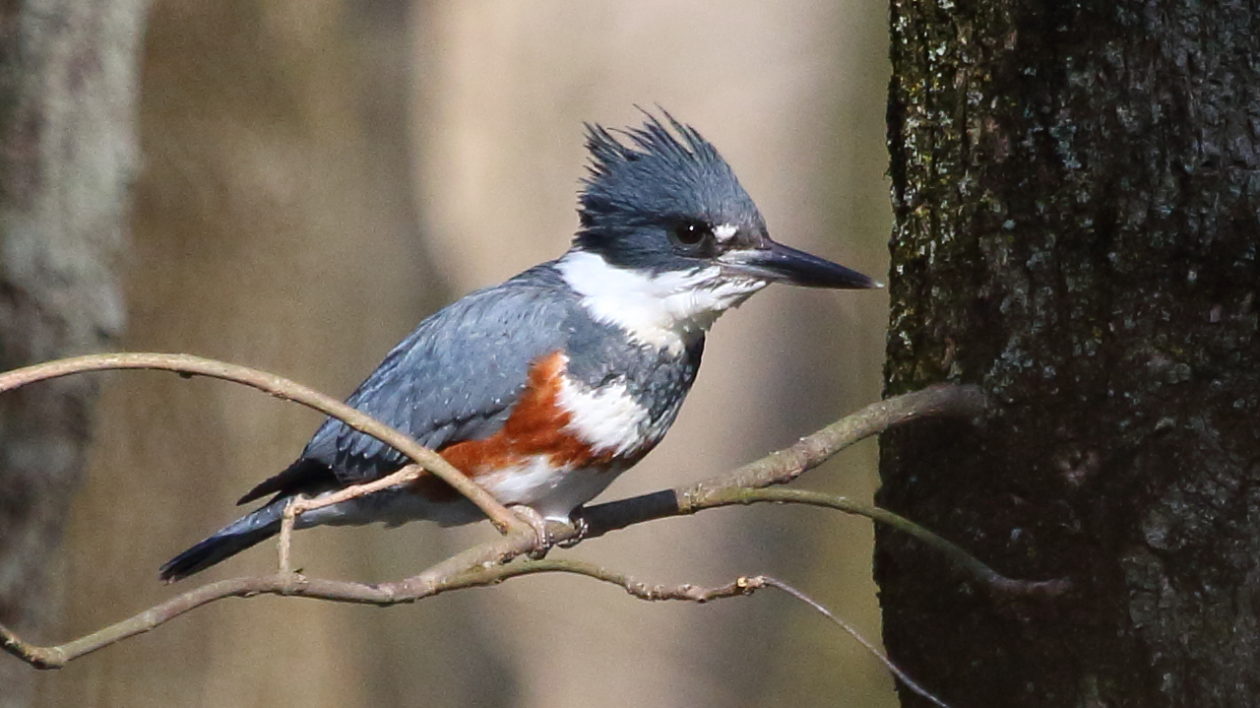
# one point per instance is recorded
(664, 218)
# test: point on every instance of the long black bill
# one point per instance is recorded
(786, 264)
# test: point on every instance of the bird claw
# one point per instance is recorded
(543, 540)
(580, 526)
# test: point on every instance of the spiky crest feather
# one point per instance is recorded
(648, 175)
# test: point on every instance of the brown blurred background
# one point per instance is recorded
(317, 176)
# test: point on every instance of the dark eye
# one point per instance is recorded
(692, 234)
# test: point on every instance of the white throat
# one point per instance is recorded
(666, 310)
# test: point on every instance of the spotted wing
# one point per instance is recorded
(454, 378)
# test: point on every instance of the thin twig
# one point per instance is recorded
(284, 539)
(940, 401)
(384, 595)
(300, 504)
(743, 585)
(991, 579)
(280, 387)
(403, 476)
(870, 647)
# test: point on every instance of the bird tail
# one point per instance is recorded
(256, 526)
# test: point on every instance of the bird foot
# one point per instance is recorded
(543, 540)
(580, 525)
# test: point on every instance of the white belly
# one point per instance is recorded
(535, 483)
(552, 493)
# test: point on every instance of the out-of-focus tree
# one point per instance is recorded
(1077, 198)
(68, 75)
(274, 225)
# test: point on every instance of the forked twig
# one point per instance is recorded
(852, 631)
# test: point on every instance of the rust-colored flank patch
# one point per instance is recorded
(536, 426)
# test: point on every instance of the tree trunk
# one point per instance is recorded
(1076, 190)
(67, 144)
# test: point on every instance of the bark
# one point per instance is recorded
(1075, 189)
(67, 87)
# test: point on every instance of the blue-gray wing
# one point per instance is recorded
(454, 378)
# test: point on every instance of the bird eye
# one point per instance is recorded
(692, 234)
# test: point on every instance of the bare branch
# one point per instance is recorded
(992, 580)
(743, 585)
(489, 563)
(384, 595)
(279, 387)
(745, 485)
(781, 467)
(821, 609)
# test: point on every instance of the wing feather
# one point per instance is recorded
(454, 378)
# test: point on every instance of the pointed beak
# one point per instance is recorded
(779, 263)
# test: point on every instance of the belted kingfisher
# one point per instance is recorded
(546, 387)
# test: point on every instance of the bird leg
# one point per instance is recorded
(543, 540)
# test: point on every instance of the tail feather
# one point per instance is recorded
(246, 531)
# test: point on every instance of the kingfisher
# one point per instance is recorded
(546, 387)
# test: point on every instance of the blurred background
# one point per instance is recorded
(316, 177)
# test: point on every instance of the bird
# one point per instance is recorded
(546, 387)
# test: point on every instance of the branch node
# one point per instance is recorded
(292, 583)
